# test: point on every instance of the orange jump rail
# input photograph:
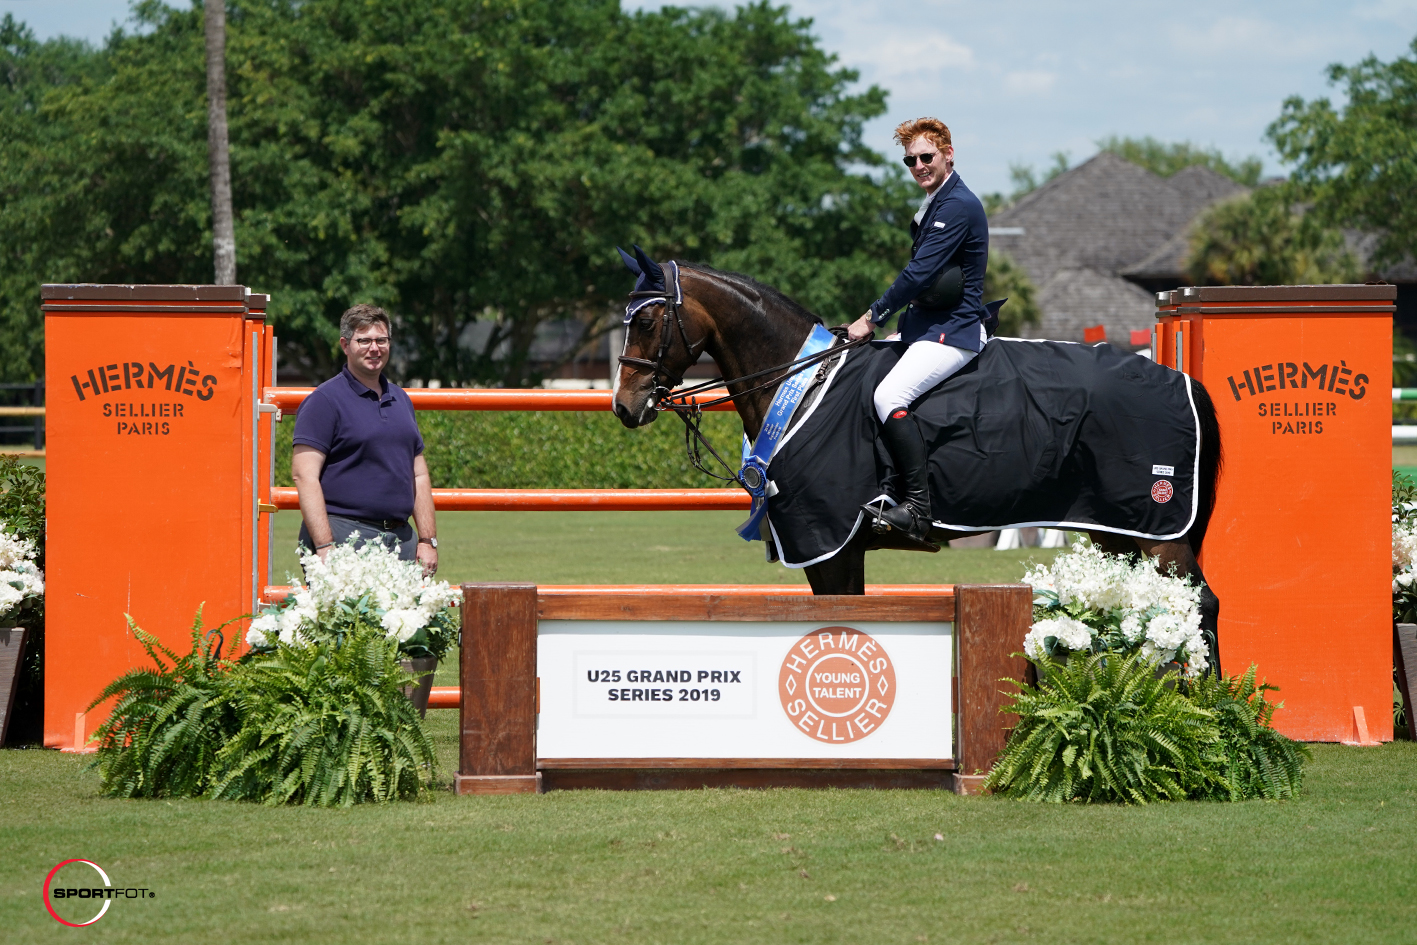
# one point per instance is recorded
(587, 401)
(568, 500)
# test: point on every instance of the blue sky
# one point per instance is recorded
(1017, 80)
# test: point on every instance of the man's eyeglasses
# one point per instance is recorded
(371, 342)
(909, 159)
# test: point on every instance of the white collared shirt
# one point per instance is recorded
(925, 204)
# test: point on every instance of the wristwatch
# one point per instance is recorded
(433, 542)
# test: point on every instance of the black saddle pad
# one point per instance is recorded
(1030, 433)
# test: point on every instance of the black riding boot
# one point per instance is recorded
(911, 517)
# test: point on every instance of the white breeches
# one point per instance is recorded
(924, 364)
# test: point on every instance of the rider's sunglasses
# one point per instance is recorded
(909, 159)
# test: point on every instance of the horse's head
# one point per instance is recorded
(664, 335)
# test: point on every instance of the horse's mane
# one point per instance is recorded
(775, 298)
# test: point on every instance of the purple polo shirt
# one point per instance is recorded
(369, 441)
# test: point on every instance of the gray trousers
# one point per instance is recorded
(399, 539)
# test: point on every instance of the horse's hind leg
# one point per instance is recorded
(842, 573)
(1179, 554)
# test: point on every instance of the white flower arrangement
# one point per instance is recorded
(1404, 545)
(1091, 601)
(1404, 550)
(20, 579)
(368, 583)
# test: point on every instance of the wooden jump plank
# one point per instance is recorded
(685, 779)
(709, 604)
(898, 764)
(498, 670)
(993, 619)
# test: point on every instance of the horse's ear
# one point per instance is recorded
(629, 261)
(993, 307)
(653, 273)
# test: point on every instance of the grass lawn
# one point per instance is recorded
(651, 548)
(711, 866)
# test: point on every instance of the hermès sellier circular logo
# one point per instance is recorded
(837, 684)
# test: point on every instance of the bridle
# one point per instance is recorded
(663, 390)
(667, 394)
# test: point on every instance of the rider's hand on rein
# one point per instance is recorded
(861, 328)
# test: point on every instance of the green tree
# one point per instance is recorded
(1259, 239)
(1164, 159)
(1358, 163)
(1007, 279)
(458, 161)
(29, 71)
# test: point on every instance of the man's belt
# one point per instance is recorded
(382, 524)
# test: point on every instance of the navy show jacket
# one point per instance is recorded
(954, 230)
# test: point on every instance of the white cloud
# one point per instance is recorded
(1029, 82)
(889, 55)
(1230, 36)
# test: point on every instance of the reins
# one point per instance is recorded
(666, 397)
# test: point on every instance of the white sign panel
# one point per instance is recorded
(725, 689)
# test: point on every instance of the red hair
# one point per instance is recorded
(934, 129)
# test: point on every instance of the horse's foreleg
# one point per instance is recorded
(1178, 554)
(842, 573)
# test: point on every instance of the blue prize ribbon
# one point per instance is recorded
(754, 474)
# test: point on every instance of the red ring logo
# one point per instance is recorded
(1162, 491)
(48, 879)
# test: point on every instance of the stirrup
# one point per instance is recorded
(876, 516)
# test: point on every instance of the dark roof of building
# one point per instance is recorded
(1167, 261)
(1105, 214)
(1074, 299)
(1201, 187)
(1083, 234)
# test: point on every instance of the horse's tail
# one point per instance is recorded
(1211, 460)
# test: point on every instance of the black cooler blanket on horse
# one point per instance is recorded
(1030, 433)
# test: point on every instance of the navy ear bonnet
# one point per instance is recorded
(649, 277)
(648, 273)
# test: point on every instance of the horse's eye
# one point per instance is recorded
(646, 324)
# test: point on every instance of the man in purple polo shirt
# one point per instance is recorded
(358, 463)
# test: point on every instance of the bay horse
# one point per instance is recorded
(749, 329)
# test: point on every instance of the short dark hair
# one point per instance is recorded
(361, 316)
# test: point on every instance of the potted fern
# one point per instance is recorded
(1123, 709)
(368, 587)
(322, 723)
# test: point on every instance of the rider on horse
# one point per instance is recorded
(944, 323)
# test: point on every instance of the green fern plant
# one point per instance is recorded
(1105, 727)
(1257, 760)
(163, 734)
(326, 726)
